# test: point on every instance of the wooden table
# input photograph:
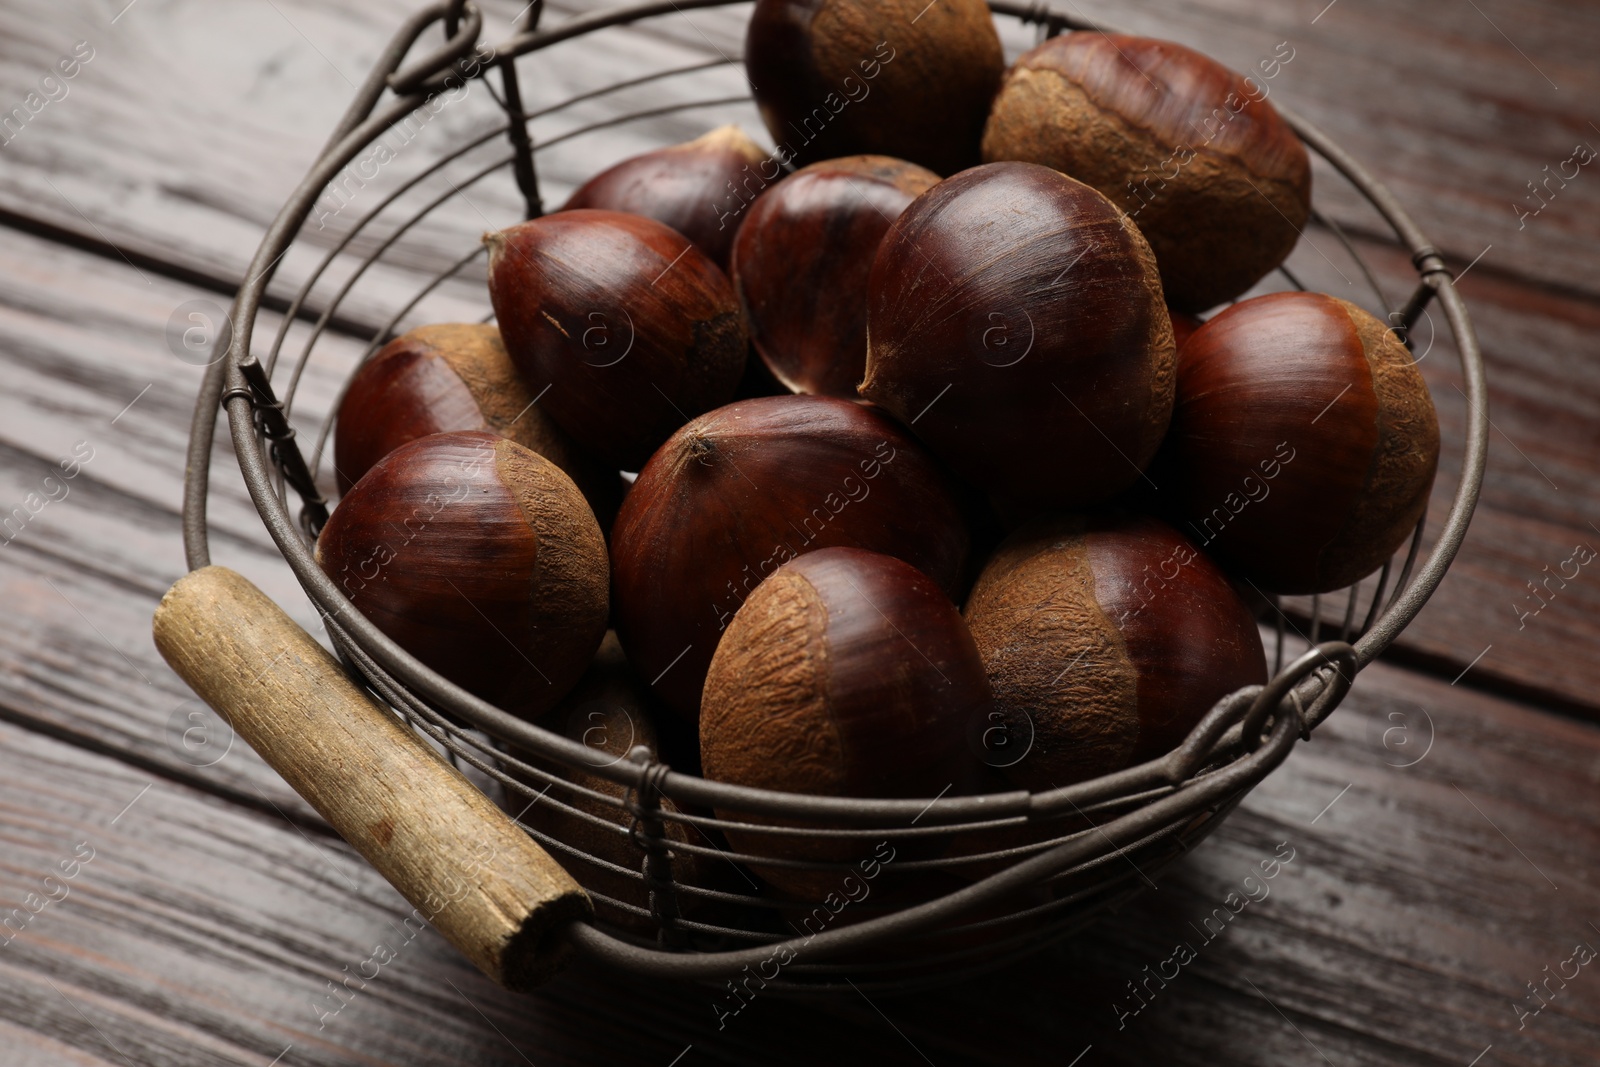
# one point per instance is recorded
(186, 908)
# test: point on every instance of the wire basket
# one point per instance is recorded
(1034, 866)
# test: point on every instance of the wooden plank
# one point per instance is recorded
(1414, 911)
(1457, 117)
(277, 79)
(200, 933)
(93, 388)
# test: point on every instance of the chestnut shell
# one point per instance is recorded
(846, 673)
(801, 263)
(620, 324)
(448, 377)
(1304, 443)
(901, 78)
(1184, 326)
(479, 557)
(739, 491)
(1106, 641)
(685, 186)
(1015, 322)
(1204, 164)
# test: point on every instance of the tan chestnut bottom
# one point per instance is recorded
(1111, 639)
(1215, 227)
(846, 673)
(1400, 477)
(1056, 661)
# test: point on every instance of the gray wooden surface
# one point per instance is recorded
(216, 908)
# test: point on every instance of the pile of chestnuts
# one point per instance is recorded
(930, 420)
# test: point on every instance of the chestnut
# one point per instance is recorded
(1183, 326)
(1304, 442)
(623, 325)
(686, 186)
(479, 557)
(739, 491)
(1106, 640)
(801, 260)
(611, 713)
(1015, 323)
(901, 78)
(1203, 164)
(447, 377)
(846, 673)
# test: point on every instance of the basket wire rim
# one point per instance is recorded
(1408, 599)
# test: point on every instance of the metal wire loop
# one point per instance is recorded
(649, 834)
(462, 41)
(1337, 655)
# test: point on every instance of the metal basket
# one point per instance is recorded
(1104, 840)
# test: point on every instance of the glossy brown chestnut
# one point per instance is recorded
(610, 712)
(737, 492)
(899, 78)
(626, 328)
(801, 262)
(697, 187)
(1015, 322)
(1106, 641)
(846, 673)
(479, 557)
(1194, 153)
(447, 377)
(1304, 442)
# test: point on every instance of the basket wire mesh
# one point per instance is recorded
(1088, 846)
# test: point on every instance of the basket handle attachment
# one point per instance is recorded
(467, 868)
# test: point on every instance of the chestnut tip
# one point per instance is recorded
(730, 136)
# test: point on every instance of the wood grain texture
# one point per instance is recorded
(1540, 342)
(1456, 116)
(1422, 898)
(89, 378)
(200, 933)
(482, 882)
(276, 79)
(1403, 930)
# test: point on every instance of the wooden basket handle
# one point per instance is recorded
(469, 870)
